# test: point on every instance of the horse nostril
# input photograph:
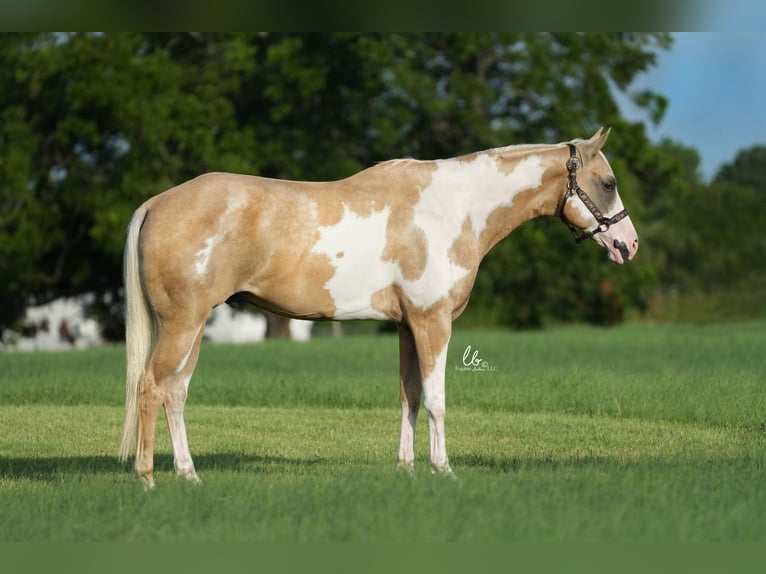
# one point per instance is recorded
(622, 248)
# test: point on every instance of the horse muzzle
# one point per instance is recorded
(620, 241)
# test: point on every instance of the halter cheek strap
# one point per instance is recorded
(574, 188)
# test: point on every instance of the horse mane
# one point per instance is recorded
(400, 161)
(497, 151)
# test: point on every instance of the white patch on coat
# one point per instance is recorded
(472, 190)
(355, 247)
(477, 188)
(434, 396)
(182, 364)
(458, 189)
(202, 257)
(234, 201)
(435, 403)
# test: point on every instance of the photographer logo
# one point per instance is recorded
(472, 361)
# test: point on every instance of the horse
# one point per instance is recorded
(399, 241)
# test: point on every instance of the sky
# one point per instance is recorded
(716, 86)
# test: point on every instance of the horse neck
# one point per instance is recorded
(533, 185)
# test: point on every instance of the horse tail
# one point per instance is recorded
(140, 326)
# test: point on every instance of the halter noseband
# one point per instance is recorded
(573, 188)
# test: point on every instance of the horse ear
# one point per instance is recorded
(595, 143)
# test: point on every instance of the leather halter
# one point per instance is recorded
(574, 188)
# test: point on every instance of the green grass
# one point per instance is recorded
(638, 433)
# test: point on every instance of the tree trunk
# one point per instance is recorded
(277, 327)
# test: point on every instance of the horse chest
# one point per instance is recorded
(366, 258)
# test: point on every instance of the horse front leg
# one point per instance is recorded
(431, 341)
(410, 391)
(434, 401)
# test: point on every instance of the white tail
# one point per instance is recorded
(139, 333)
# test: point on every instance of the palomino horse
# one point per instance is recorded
(401, 241)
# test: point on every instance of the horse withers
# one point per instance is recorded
(399, 241)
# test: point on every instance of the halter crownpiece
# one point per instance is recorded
(574, 188)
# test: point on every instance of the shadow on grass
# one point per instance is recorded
(51, 468)
(508, 465)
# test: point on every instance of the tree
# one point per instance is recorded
(721, 227)
(748, 169)
(93, 124)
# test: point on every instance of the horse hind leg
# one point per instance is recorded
(166, 384)
(148, 408)
(174, 410)
(410, 385)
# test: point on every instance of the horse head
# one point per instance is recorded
(591, 205)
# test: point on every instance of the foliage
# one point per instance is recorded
(713, 237)
(95, 123)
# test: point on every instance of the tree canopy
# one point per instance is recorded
(93, 124)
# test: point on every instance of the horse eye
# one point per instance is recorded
(610, 185)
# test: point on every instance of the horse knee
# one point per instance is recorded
(434, 408)
(176, 396)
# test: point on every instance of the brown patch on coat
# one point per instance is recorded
(431, 330)
(468, 158)
(169, 245)
(274, 264)
(527, 204)
(367, 192)
(389, 302)
(464, 250)
(508, 157)
(407, 244)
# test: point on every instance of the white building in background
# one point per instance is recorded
(58, 325)
(62, 324)
(300, 330)
(229, 325)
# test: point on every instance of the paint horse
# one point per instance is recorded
(400, 241)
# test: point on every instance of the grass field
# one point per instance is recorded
(636, 433)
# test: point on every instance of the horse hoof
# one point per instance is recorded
(147, 481)
(445, 471)
(189, 475)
